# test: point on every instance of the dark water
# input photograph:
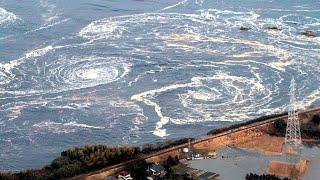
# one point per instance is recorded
(130, 72)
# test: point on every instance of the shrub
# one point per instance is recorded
(59, 162)
(279, 128)
(148, 148)
(137, 169)
(308, 130)
(96, 156)
(68, 170)
(315, 119)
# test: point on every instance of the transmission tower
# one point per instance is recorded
(293, 135)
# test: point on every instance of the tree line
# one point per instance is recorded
(79, 160)
(309, 129)
(75, 161)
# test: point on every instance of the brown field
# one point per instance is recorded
(284, 169)
(269, 145)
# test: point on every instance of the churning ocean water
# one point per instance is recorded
(135, 71)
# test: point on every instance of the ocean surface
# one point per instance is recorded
(137, 71)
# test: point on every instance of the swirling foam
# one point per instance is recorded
(62, 73)
(92, 71)
(213, 71)
(240, 79)
(216, 93)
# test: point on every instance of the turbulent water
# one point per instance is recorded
(131, 72)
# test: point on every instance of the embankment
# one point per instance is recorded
(217, 138)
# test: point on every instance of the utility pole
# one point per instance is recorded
(293, 134)
(189, 142)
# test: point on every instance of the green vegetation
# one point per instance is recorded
(94, 157)
(77, 160)
(153, 147)
(168, 165)
(137, 169)
(279, 128)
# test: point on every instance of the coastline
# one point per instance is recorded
(225, 136)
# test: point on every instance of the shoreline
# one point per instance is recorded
(220, 137)
(229, 131)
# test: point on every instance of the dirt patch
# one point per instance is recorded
(284, 169)
(230, 139)
(266, 144)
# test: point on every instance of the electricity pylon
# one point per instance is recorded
(293, 134)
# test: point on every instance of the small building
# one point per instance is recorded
(196, 155)
(155, 171)
(212, 154)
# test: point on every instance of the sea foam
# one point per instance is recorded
(6, 16)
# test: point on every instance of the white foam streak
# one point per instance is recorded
(6, 17)
(75, 124)
(47, 26)
(280, 65)
(39, 52)
(280, 53)
(144, 97)
(32, 54)
(175, 5)
(58, 128)
(98, 29)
